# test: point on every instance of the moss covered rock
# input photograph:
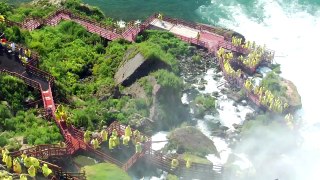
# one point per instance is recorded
(190, 139)
(293, 97)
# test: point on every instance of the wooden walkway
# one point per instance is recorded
(184, 30)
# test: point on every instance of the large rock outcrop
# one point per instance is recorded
(293, 96)
(135, 68)
(190, 139)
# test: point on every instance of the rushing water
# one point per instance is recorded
(290, 27)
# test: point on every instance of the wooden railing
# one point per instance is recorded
(28, 81)
(70, 175)
(228, 45)
(104, 156)
(37, 72)
(41, 151)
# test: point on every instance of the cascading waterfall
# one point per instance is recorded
(291, 30)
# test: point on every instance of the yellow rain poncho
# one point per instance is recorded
(4, 153)
(32, 171)
(126, 140)
(27, 161)
(2, 19)
(114, 133)
(46, 171)
(111, 143)
(86, 137)
(138, 147)
(136, 133)
(95, 143)
(128, 131)
(9, 161)
(16, 166)
(6, 178)
(34, 162)
(188, 163)
(174, 163)
(104, 135)
(23, 177)
(23, 156)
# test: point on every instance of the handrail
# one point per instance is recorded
(28, 81)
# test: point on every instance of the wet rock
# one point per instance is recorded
(244, 103)
(215, 94)
(249, 116)
(236, 126)
(201, 87)
(234, 104)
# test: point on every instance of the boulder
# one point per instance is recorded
(190, 139)
(293, 97)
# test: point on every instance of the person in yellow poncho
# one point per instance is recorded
(86, 137)
(7, 178)
(111, 143)
(16, 166)
(4, 153)
(2, 19)
(188, 163)
(32, 171)
(198, 36)
(138, 147)
(174, 163)
(104, 135)
(28, 53)
(160, 16)
(114, 132)
(34, 162)
(136, 133)
(9, 161)
(126, 140)
(128, 131)
(46, 171)
(23, 177)
(27, 161)
(95, 143)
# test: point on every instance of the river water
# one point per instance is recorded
(291, 28)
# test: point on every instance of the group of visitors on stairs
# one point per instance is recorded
(32, 165)
(136, 138)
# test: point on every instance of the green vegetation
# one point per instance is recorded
(84, 161)
(203, 104)
(18, 14)
(15, 92)
(28, 125)
(272, 82)
(168, 80)
(172, 177)
(207, 101)
(195, 159)
(84, 68)
(105, 171)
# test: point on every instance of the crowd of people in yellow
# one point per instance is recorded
(32, 165)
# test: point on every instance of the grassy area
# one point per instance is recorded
(105, 171)
(195, 159)
(84, 161)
